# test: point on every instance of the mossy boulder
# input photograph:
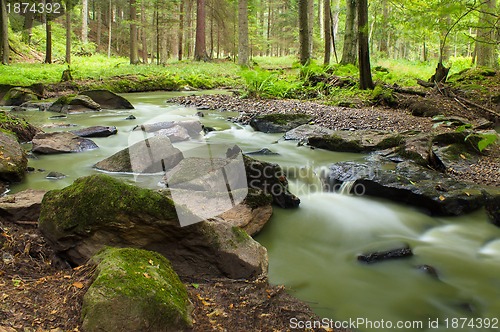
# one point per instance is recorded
(155, 154)
(13, 160)
(100, 210)
(17, 97)
(493, 206)
(356, 141)
(135, 290)
(74, 104)
(279, 122)
(108, 100)
(302, 133)
(20, 127)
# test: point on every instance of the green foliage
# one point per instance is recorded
(267, 84)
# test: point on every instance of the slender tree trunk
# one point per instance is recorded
(99, 26)
(200, 49)
(486, 44)
(4, 27)
(243, 33)
(134, 58)
(327, 26)
(268, 32)
(310, 27)
(28, 27)
(110, 28)
(365, 75)
(85, 18)
(181, 30)
(48, 34)
(305, 54)
(350, 40)
(383, 47)
(68, 32)
(144, 39)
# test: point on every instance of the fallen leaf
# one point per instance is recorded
(151, 262)
(78, 285)
(195, 286)
(67, 277)
(442, 198)
(463, 157)
(146, 275)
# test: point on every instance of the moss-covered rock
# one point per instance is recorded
(99, 210)
(135, 290)
(356, 141)
(20, 127)
(74, 104)
(13, 160)
(17, 97)
(108, 100)
(278, 122)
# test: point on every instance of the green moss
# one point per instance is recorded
(337, 143)
(240, 234)
(101, 199)
(391, 141)
(256, 198)
(141, 282)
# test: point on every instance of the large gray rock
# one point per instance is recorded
(356, 141)
(175, 133)
(13, 160)
(279, 123)
(153, 155)
(135, 290)
(305, 131)
(108, 100)
(409, 183)
(193, 127)
(24, 205)
(74, 104)
(98, 211)
(61, 142)
(95, 131)
(18, 96)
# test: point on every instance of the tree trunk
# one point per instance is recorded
(134, 56)
(144, 39)
(27, 33)
(384, 37)
(365, 75)
(4, 29)
(310, 26)
(200, 49)
(485, 43)
(350, 40)
(327, 26)
(110, 27)
(243, 33)
(305, 55)
(99, 27)
(181, 30)
(68, 32)
(85, 18)
(48, 34)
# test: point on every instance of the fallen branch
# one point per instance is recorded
(407, 91)
(496, 114)
(425, 84)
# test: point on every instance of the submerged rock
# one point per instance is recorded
(61, 142)
(13, 159)
(153, 155)
(98, 211)
(380, 256)
(408, 183)
(55, 176)
(135, 290)
(95, 131)
(108, 100)
(262, 152)
(194, 127)
(278, 123)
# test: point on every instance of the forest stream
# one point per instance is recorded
(313, 250)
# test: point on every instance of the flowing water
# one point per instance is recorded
(313, 249)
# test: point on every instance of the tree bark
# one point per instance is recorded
(48, 34)
(327, 26)
(243, 33)
(200, 49)
(134, 54)
(350, 40)
(310, 26)
(181, 30)
(365, 75)
(384, 38)
(305, 55)
(485, 43)
(85, 18)
(68, 32)
(144, 39)
(4, 27)
(110, 27)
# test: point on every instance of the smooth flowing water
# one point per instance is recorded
(313, 249)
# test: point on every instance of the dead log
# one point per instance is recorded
(425, 84)
(399, 89)
(441, 74)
